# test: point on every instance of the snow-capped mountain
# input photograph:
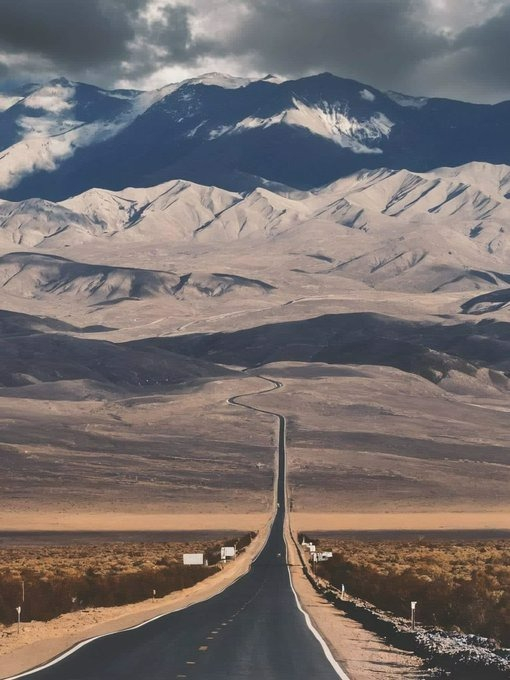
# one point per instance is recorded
(63, 138)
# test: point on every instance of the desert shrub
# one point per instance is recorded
(47, 598)
(63, 578)
(243, 541)
(474, 603)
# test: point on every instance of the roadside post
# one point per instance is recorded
(18, 609)
(22, 592)
(153, 594)
(343, 592)
(413, 615)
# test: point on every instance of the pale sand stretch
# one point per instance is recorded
(41, 641)
(124, 521)
(394, 521)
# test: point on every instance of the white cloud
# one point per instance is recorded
(454, 16)
(32, 126)
(52, 98)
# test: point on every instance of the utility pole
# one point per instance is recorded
(413, 615)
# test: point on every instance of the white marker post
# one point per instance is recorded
(22, 592)
(18, 609)
(153, 595)
(343, 592)
(413, 614)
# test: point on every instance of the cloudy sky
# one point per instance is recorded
(453, 48)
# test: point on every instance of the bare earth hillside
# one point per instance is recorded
(379, 301)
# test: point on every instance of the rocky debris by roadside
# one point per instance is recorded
(461, 656)
(454, 655)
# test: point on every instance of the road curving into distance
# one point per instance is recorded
(255, 629)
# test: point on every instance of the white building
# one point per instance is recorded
(322, 556)
(228, 552)
(193, 558)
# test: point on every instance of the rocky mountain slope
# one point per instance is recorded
(443, 230)
(63, 138)
(32, 275)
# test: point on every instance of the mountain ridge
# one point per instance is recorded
(62, 138)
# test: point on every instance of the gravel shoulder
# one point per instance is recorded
(362, 654)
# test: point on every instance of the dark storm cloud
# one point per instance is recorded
(395, 44)
(105, 39)
(483, 52)
(367, 39)
(167, 41)
(70, 32)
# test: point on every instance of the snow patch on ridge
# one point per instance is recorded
(6, 101)
(406, 100)
(220, 80)
(49, 139)
(367, 95)
(331, 121)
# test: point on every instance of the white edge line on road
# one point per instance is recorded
(83, 643)
(79, 645)
(329, 656)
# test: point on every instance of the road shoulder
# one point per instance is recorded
(362, 654)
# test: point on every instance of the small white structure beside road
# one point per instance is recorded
(193, 558)
(322, 556)
(228, 552)
(316, 555)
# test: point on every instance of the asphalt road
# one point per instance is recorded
(253, 629)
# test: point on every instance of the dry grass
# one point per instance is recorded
(59, 579)
(428, 557)
(462, 584)
(107, 558)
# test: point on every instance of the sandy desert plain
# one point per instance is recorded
(121, 349)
